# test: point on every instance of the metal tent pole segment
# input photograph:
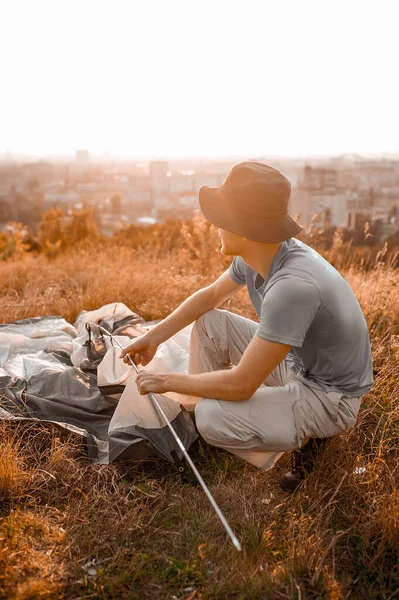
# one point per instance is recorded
(211, 499)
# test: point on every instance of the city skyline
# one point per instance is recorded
(107, 157)
(184, 80)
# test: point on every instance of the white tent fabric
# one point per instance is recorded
(54, 371)
(109, 313)
(133, 408)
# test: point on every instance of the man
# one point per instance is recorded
(289, 381)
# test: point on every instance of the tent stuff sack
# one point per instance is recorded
(71, 375)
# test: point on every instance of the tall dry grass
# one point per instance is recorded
(75, 530)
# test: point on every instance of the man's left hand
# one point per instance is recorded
(149, 381)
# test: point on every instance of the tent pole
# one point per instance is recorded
(155, 402)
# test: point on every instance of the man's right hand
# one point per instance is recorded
(142, 350)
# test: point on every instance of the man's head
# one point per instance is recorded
(234, 244)
(252, 202)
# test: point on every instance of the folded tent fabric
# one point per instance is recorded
(135, 414)
(58, 382)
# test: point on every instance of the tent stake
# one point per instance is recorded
(155, 402)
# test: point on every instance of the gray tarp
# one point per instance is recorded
(51, 370)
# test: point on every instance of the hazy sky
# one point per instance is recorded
(199, 78)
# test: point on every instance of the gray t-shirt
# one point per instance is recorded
(305, 303)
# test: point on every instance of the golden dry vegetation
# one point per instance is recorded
(71, 529)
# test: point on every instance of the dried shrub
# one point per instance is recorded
(13, 242)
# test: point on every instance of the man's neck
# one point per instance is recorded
(260, 256)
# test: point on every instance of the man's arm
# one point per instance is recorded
(240, 383)
(142, 350)
(194, 306)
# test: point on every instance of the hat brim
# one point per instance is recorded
(252, 227)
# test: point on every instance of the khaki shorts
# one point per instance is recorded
(282, 413)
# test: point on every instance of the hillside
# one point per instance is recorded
(71, 529)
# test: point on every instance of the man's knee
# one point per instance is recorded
(207, 319)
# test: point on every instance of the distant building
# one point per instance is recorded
(360, 209)
(317, 193)
(167, 187)
(82, 157)
(382, 173)
(180, 183)
(347, 199)
(180, 205)
(70, 197)
(140, 191)
(209, 179)
(138, 197)
(369, 206)
(186, 199)
(159, 181)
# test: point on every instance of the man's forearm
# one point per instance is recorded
(221, 385)
(183, 315)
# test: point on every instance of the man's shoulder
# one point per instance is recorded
(304, 262)
(299, 272)
(293, 283)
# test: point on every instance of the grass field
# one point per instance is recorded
(70, 529)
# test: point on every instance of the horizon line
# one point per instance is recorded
(8, 157)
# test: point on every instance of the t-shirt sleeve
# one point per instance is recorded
(236, 270)
(288, 310)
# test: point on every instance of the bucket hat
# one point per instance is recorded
(253, 202)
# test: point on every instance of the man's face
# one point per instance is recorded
(231, 242)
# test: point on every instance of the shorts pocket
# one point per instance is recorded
(347, 412)
(313, 420)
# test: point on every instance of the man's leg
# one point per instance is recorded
(302, 463)
(281, 416)
(343, 411)
(275, 420)
(218, 341)
(259, 430)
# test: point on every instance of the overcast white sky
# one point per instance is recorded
(199, 78)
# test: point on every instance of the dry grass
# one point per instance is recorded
(149, 534)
